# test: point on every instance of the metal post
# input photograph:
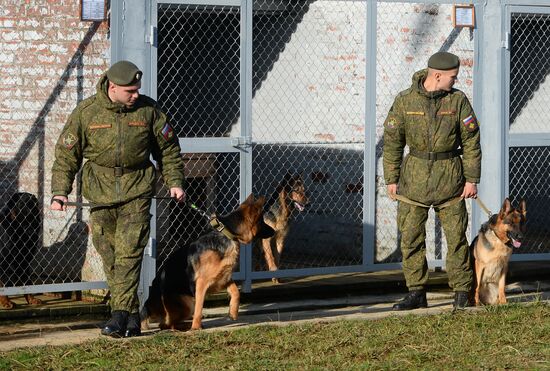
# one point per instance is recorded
(369, 179)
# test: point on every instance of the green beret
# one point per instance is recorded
(443, 61)
(124, 73)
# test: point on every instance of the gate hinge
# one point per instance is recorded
(239, 142)
(507, 42)
(151, 38)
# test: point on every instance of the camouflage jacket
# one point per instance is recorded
(109, 135)
(431, 122)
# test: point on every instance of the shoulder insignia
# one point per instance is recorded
(470, 123)
(391, 124)
(100, 126)
(167, 132)
(69, 141)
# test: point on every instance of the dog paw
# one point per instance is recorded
(34, 301)
(275, 281)
(7, 305)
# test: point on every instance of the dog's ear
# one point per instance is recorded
(505, 209)
(249, 199)
(260, 201)
(523, 208)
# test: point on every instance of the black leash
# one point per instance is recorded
(93, 205)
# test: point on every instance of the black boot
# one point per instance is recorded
(461, 300)
(134, 326)
(414, 299)
(116, 326)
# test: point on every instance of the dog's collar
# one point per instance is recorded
(507, 244)
(217, 225)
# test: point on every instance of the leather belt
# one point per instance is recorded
(118, 171)
(436, 156)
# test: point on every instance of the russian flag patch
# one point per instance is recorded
(167, 132)
(470, 123)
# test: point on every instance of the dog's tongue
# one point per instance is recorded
(516, 243)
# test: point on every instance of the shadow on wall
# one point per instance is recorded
(329, 232)
(529, 181)
(63, 260)
(529, 61)
(10, 170)
(20, 227)
(199, 62)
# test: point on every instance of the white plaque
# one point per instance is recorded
(93, 10)
(463, 16)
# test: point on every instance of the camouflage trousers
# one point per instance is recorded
(412, 225)
(120, 234)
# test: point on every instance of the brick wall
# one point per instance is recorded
(49, 61)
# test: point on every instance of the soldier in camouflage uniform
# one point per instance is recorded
(438, 124)
(116, 131)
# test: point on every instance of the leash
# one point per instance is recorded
(94, 205)
(443, 205)
(483, 207)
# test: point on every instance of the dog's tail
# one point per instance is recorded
(144, 316)
(148, 308)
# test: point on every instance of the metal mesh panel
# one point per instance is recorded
(528, 177)
(47, 80)
(408, 33)
(212, 184)
(529, 94)
(199, 68)
(309, 119)
(198, 85)
(529, 67)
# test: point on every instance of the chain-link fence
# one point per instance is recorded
(308, 120)
(301, 129)
(46, 70)
(198, 84)
(309, 84)
(529, 166)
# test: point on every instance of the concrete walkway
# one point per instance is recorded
(352, 296)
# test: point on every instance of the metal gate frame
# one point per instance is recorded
(240, 144)
(230, 144)
(512, 140)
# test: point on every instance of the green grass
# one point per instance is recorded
(507, 337)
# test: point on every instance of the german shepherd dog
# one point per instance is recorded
(20, 222)
(203, 266)
(492, 249)
(289, 195)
